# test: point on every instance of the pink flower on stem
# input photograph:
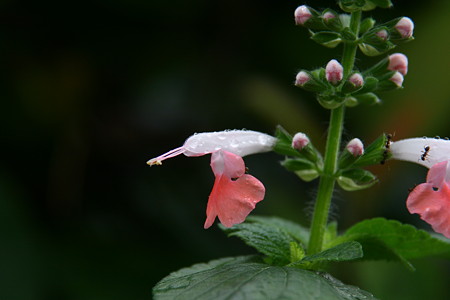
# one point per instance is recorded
(398, 62)
(234, 194)
(302, 14)
(334, 71)
(302, 78)
(356, 79)
(431, 200)
(355, 147)
(397, 78)
(300, 141)
(405, 27)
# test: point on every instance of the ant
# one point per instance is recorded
(425, 153)
(386, 148)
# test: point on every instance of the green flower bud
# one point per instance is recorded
(367, 98)
(366, 25)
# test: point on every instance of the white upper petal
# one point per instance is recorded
(239, 142)
(414, 150)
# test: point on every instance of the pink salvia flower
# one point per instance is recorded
(355, 147)
(300, 141)
(234, 194)
(431, 200)
(302, 14)
(397, 78)
(398, 62)
(334, 71)
(405, 27)
(302, 78)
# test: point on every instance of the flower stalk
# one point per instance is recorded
(327, 179)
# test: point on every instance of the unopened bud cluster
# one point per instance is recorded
(329, 28)
(306, 162)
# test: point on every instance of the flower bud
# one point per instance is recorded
(328, 16)
(302, 78)
(310, 81)
(302, 14)
(382, 34)
(398, 62)
(397, 78)
(405, 27)
(357, 80)
(300, 141)
(334, 72)
(366, 25)
(353, 83)
(355, 147)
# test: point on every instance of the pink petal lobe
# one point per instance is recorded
(233, 200)
(431, 200)
(227, 163)
(437, 174)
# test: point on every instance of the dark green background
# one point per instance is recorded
(92, 90)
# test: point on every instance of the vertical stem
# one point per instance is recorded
(327, 179)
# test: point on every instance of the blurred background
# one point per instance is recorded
(93, 89)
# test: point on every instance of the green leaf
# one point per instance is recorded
(375, 49)
(298, 232)
(391, 240)
(328, 39)
(304, 168)
(269, 236)
(244, 278)
(356, 179)
(343, 252)
(268, 240)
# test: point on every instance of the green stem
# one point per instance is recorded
(327, 179)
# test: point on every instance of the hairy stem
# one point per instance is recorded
(327, 179)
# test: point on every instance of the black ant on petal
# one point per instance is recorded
(425, 153)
